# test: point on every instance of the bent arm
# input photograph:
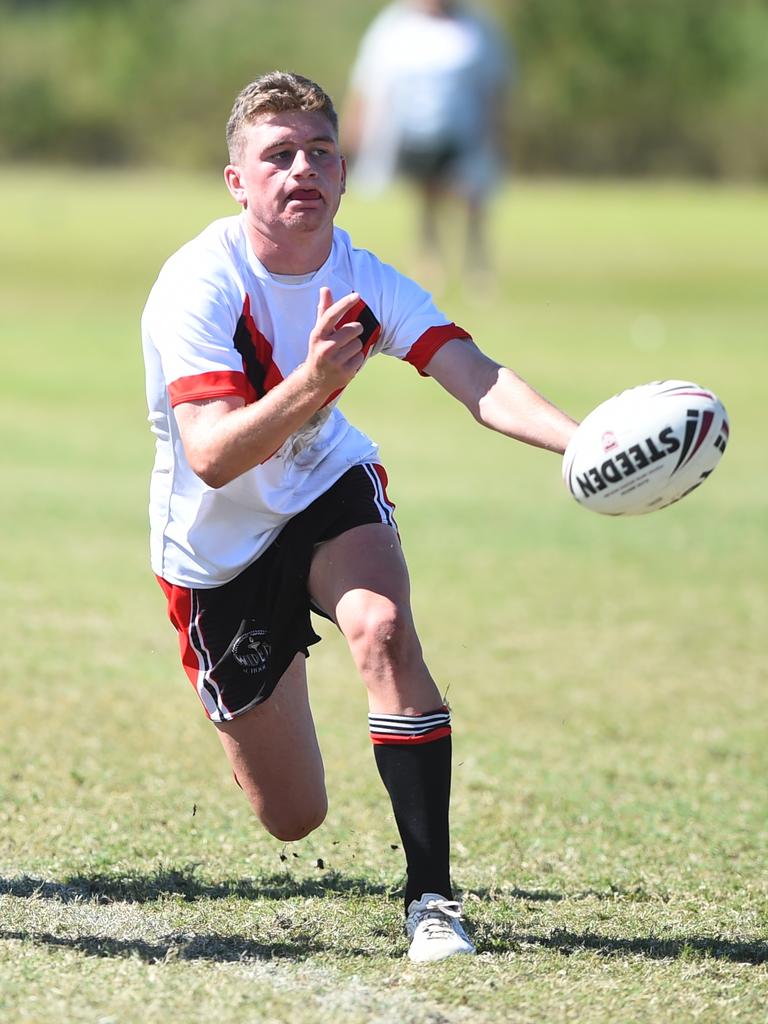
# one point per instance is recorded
(498, 398)
(224, 437)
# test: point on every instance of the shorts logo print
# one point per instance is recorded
(251, 651)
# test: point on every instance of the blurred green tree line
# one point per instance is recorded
(601, 86)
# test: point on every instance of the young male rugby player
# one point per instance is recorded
(266, 502)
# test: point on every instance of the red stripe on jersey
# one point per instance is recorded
(371, 326)
(214, 384)
(264, 374)
(180, 614)
(431, 340)
(407, 741)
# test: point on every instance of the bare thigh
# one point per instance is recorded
(361, 579)
(274, 753)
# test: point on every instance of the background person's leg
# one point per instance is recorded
(432, 264)
(476, 257)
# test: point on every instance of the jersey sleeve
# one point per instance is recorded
(191, 320)
(413, 328)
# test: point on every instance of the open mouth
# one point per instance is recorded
(304, 195)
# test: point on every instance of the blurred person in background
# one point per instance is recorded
(266, 504)
(426, 103)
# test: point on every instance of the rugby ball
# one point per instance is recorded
(645, 448)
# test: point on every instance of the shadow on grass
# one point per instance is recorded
(230, 948)
(690, 948)
(183, 882)
(237, 948)
(528, 895)
(633, 894)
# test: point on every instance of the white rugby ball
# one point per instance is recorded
(645, 448)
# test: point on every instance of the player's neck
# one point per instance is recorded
(294, 252)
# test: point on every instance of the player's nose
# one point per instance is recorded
(302, 165)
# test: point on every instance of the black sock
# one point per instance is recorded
(413, 755)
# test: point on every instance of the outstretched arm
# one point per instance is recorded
(498, 398)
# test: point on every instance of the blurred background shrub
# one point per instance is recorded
(627, 87)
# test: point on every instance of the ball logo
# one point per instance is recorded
(645, 448)
(609, 441)
(626, 463)
(697, 426)
(252, 651)
(722, 438)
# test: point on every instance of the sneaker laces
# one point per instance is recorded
(434, 917)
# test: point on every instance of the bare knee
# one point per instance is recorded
(382, 637)
(286, 816)
(290, 824)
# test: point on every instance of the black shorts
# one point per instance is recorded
(429, 163)
(238, 639)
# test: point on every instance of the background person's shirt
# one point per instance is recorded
(431, 82)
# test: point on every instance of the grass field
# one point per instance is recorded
(607, 676)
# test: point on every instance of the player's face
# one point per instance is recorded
(291, 175)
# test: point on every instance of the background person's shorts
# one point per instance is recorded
(238, 639)
(433, 161)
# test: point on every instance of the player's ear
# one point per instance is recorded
(343, 175)
(235, 184)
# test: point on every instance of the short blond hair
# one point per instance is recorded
(275, 93)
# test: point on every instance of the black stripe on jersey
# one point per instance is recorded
(371, 326)
(254, 371)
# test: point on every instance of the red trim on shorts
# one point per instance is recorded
(430, 342)
(381, 473)
(180, 614)
(408, 741)
(213, 384)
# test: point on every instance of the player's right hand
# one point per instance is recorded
(335, 353)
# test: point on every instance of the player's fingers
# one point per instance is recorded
(354, 361)
(324, 301)
(348, 332)
(329, 317)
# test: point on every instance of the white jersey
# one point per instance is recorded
(218, 323)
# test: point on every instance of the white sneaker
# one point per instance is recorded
(433, 927)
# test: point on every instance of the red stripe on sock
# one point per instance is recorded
(429, 737)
